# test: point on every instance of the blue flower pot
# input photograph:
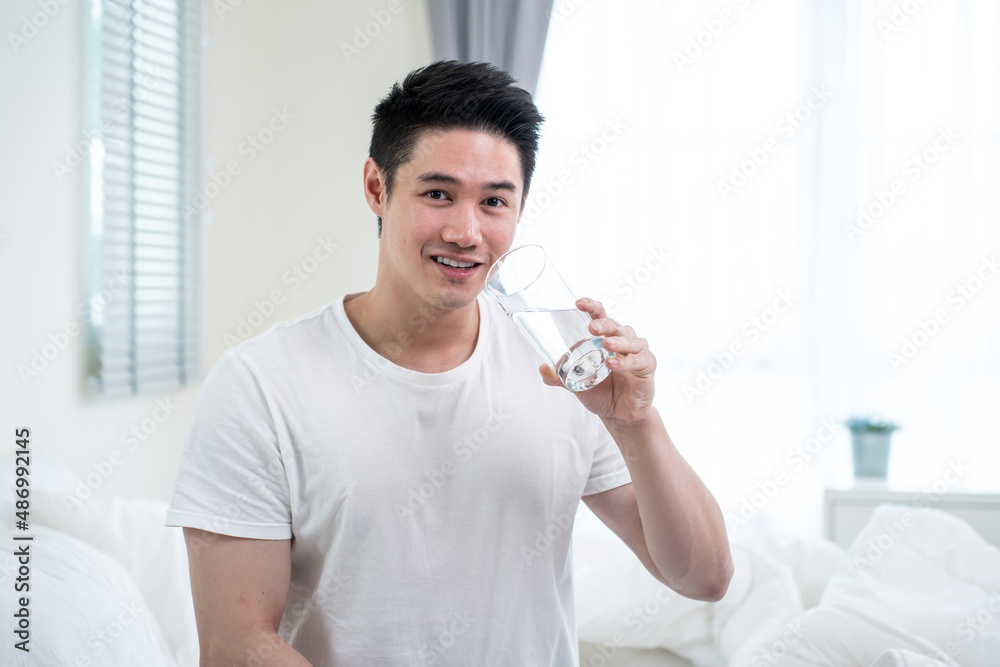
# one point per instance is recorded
(871, 453)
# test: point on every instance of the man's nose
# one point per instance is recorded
(463, 228)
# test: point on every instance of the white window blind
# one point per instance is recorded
(142, 90)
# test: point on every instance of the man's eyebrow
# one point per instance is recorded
(438, 177)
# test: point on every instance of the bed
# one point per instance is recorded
(109, 587)
(917, 588)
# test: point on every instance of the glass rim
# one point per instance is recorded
(497, 265)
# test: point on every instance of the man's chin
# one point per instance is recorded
(454, 301)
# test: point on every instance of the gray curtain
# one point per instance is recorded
(508, 33)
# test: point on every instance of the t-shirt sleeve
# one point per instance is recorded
(608, 469)
(231, 479)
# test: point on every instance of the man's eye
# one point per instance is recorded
(493, 202)
(435, 194)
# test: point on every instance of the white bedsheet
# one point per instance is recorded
(917, 588)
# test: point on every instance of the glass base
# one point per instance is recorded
(584, 365)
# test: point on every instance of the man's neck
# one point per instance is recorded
(417, 336)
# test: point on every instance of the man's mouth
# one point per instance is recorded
(454, 263)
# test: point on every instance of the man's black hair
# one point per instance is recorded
(448, 95)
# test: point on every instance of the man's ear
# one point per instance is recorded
(374, 184)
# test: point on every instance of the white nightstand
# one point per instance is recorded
(846, 511)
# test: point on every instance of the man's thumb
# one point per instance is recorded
(549, 376)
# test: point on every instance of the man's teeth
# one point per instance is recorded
(454, 262)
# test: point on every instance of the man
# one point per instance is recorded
(386, 480)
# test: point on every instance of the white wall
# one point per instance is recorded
(305, 184)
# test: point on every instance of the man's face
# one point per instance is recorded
(457, 200)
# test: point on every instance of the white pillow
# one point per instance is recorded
(907, 587)
(771, 602)
(130, 531)
(84, 609)
(926, 572)
(813, 560)
(838, 636)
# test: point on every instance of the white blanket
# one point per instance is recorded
(917, 588)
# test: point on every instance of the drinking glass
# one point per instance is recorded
(537, 298)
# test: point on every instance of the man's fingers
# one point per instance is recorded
(624, 345)
(641, 363)
(632, 352)
(607, 327)
(592, 306)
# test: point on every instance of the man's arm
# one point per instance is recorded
(240, 587)
(666, 515)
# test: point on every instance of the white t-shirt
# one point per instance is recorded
(431, 513)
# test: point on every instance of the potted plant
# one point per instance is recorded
(870, 445)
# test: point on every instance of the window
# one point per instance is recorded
(142, 101)
(708, 168)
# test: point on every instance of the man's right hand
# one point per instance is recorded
(240, 587)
